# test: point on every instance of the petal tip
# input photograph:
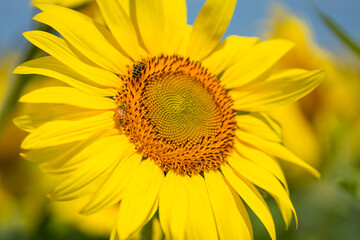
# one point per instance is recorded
(18, 70)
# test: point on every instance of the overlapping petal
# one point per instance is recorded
(173, 205)
(228, 52)
(262, 159)
(174, 25)
(63, 131)
(146, 182)
(87, 36)
(93, 171)
(256, 124)
(258, 176)
(275, 149)
(256, 63)
(42, 113)
(72, 157)
(117, 183)
(279, 89)
(200, 222)
(119, 22)
(50, 67)
(60, 50)
(252, 198)
(161, 24)
(68, 95)
(230, 223)
(150, 23)
(209, 27)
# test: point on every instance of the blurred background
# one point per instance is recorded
(323, 128)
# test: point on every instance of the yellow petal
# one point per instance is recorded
(275, 149)
(50, 67)
(161, 24)
(272, 123)
(114, 235)
(59, 49)
(121, 26)
(260, 177)
(126, 6)
(185, 41)
(140, 202)
(86, 36)
(38, 115)
(200, 222)
(229, 221)
(174, 24)
(157, 233)
(306, 145)
(50, 153)
(92, 172)
(254, 124)
(28, 123)
(76, 153)
(252, 198)
(256, 63)
(62, 131)
(286, 212)
(262, 159)
(243, 211)
(25, 123)
(173, 205)
(209, 26)
(150, 22)
(276, 91)
(66, 3)
(227, 53)
(68, 95)
(117, 182)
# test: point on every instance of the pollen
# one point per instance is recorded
(177, 114)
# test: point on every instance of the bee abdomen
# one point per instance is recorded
(138, 67)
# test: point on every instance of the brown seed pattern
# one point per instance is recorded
(177, 114)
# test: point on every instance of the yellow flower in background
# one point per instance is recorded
(311, 119)
(161, 116)
(308, 55)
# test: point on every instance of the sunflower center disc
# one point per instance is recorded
(181, 109)
(177, 114)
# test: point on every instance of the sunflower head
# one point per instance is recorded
(160, 116)
(177, 114)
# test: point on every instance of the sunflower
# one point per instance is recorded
(161, 118)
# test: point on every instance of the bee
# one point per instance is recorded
(138, 67)
(120, 113)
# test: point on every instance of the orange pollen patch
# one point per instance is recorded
(177, 114)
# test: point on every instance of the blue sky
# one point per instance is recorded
(248, 20)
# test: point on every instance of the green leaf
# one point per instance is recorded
(339, 32)
(350, 182)
(349, 185)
